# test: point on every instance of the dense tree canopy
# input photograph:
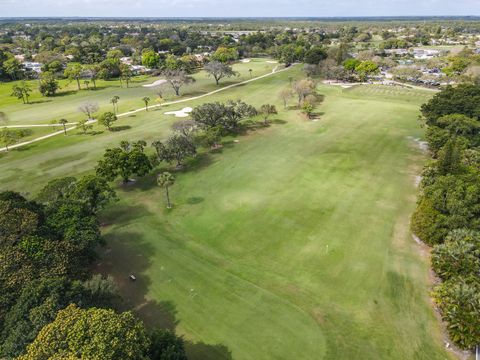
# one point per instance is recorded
(126, 160)
(225, 115)
(46, 248)
(91, 334)
(448, 211)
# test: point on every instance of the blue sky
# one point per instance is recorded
(230, 8)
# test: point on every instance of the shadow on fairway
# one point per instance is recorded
(149, 181)
(38, 102)
(144, 183)
(202, 351)
(66, 93)
(194, 200)
(127, 253)
(197, 163)
(121, 128)
(25, 147)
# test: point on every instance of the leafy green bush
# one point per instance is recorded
(459, 304)
(458, 256)
(426, 223)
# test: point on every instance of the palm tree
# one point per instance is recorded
(64, 123)
(114, 101)
(165, 180)
(146, 99)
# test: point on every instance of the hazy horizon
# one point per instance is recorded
(235, 9)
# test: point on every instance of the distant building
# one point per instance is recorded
(126, 60)
(33, 66)
(202, 56)
(405, 62)
(396, 52)
(139, 69)
(425, 53)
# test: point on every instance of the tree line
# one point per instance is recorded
(51, 306)
(447, 216)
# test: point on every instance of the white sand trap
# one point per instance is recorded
(245, 60)
(180, 113)
(155, 83)
(272, 62)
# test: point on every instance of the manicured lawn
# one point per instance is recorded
(291, 244)
(42, 110)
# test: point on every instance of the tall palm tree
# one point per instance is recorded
(64, 123)
(114, 101)
(166, 180)
(146, 100)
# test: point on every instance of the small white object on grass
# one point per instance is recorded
(155, 83)
(180, 113)
(236, 141)
(132, 277)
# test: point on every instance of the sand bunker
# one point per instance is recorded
(180, 113)
(245, 60)
(155, 83)
(344, 85)
(272, 62)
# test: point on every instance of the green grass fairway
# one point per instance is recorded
(43, 109)
(291, 244)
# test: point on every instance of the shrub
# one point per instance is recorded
(458, 256)
(459, 304)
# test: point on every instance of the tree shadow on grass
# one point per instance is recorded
(128, 253)
(94, 132)
(149, 181)
(25, 147)
(202, 351)
(120, 128)
(66, 93)
(198, 163)
(194, 200)
(117, 214)
(158, 314)
(39, 102)
(97, 88)
(144, 183)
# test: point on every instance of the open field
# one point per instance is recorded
(291, 244)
